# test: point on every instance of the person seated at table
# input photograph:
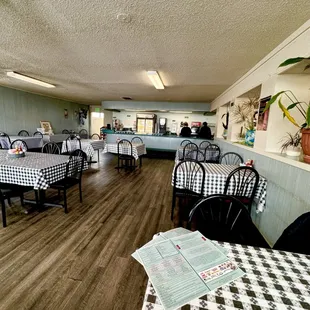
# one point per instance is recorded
(205, 131)
(185, 131)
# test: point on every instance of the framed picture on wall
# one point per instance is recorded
(262, 121)
(46, 126)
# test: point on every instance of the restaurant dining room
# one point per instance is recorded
(155, 155)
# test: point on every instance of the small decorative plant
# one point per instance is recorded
(290, 141)
(226, 120)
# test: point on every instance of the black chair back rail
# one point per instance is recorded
(242, 183)
(38, 134)
(204, 144)
(75, 165)
(187, 176)
(231, 158)
(19, 143)
(95, 136)
(184, 142)
(224, 218)
(189, 147)
(83, 133)
(23, 133)
(50, 148)
(136, 140)
(7, 141)
(212, 153)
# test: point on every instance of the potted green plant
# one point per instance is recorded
(244, 114)
(291, 144)
(302, 107)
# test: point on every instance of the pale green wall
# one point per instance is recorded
(22, 110)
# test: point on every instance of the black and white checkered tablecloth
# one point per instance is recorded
(274, 280)
(138, 149)
(35, 169)
(215, 179)
(88, 146)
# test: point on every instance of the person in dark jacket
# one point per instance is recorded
(205, 131)
(185, 131)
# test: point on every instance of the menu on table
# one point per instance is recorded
(184, 265)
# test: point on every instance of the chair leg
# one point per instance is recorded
(80, 189)
(3, 213)
(22, 199)
(36, 197)
(9, 201)
(65, 201)
(59, 197)
(98, 156)
(173, 206)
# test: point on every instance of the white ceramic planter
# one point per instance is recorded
(293, 151)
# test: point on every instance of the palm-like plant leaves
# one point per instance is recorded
(292, 61)
(287, 113)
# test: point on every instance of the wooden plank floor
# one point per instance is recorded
(81, 260)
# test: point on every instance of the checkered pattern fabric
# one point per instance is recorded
(215, 179)
(273, 280)
(138, 149)
(35, 169)
(88, 146)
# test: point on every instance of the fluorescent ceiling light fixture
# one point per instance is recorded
(28, 79)
(155, 79)
(181, 112)
(163, 111)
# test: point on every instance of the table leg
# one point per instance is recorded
(140, 161)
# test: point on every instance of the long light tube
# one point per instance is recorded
(28, 79)
(155, 79)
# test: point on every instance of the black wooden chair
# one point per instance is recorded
(8, 191)
(295, 238)
(224, 218)
(95, 136)
(23, 133)
(188, 184)
(242, 183)
(50, 148)
(5, 140)
(73, 142)
(184, 142)
(195, 155)
(19, 143)
(38, 134)
(65, 131)
(204, 144)
(188, 148)
(212, 153)
(125, 159)
(73, 175)
(136, 140)
(83, 133)
(231, 158)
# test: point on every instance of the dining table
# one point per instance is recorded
(215, 180)
(273, 280)
(88, 146)
(137, 151)
(33, 142)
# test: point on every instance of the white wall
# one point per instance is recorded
(297, 44)
(127, 118)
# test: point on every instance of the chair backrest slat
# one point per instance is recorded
(50, 148)
(136, 140)
(212, 153)
(5, 140)
(23, 133)
(231, 158)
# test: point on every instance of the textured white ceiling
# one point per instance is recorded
(200, 47)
